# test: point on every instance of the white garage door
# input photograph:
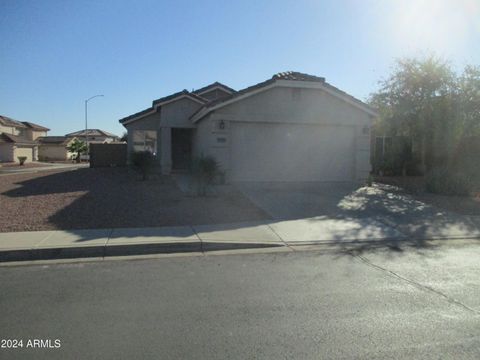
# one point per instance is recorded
(284, 152)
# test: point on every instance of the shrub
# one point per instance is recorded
(203, 171)
(22, 159)
(143, 161)
(444, 181)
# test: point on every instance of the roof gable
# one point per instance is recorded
(286, 79)
(6, 121)
(161, 102)
(9, 138)
(214, 86)
(35, 127)
(91, 132)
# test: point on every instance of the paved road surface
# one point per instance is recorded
(416, 304)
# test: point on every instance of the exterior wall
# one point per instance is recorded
(173, 115)
(34, 134)
(210, 140)
(53, 152)
(9, 130)
(23, 151)
(177, 114)
(298, 105)
(150, 122)
(282, 105)
(6, 152)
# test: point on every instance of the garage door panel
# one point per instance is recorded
(275, 152)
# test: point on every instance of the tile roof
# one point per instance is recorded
(9, 138)
(140, 113)
(91, 132)
(35, 126)
(212, 86)
(6, 121)
(180, 93)
(298, 76)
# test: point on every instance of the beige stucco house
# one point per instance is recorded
(292, 127)
(54, 148)
(19, 138)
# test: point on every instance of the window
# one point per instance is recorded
(145, 140)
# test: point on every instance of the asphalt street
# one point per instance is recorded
(417, 303)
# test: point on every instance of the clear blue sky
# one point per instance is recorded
(55, 54)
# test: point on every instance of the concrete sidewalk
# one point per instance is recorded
(42, 245)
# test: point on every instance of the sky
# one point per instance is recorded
(56, 54)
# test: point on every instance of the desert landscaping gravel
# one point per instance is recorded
(104, 198)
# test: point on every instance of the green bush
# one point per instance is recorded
(78, 147)
(22, 159)
(203, 171)
(143, 161)
(446, 182)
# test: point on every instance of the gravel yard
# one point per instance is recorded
(103, 198)
(415, 185)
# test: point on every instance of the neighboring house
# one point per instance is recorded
(292, 127)
(94, 136)
(54, 148)
(18, 138)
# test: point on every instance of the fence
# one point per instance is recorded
(108, 155)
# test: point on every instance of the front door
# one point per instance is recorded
(181, 148)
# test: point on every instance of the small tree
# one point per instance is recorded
(203, 171)
(78, 147)
(143, 161)
(124, 137)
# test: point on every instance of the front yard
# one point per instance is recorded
(104, 198)
(415, 186)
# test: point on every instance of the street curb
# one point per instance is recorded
(103, 251)
(110, 251)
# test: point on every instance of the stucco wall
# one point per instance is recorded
(282, 104)
(177, 114)
(173, 115)
(33, 134)
(6, 152)
(53, 152)
(298, 106)
(9, 130)
(23, 151)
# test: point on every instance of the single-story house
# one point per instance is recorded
(54, 148)
(291, 127)
(96, 136)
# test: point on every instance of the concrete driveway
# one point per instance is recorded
(305, 200)
(331, 208)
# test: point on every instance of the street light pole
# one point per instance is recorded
(86, 116)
